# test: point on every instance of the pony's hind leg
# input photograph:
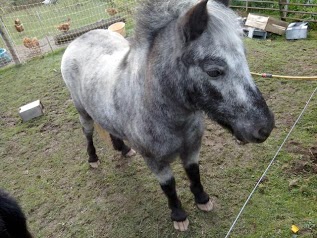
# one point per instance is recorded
(119, 145)
(88, 129)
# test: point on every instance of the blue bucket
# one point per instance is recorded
(4, 57)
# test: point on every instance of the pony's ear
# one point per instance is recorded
(195, 21)
(224, 2)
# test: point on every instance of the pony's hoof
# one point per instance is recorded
(207, 207)
(94, 164)
(130, 153)
(181, 225)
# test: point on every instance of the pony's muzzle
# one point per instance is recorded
(263, 129)
(257, 131)
(261, 135)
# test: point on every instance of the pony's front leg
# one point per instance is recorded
(190, 163)
(167, 181)
(178, 215)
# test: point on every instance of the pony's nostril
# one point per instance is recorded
(263, 133)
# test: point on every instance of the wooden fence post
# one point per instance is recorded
(283, 9)
(6, 39)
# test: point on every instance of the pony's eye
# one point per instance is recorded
(215, 73)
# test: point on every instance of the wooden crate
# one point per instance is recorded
(268, 24)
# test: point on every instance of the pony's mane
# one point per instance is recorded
(154, 15)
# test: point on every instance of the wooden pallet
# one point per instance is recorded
(74, 33)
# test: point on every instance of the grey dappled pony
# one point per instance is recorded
(185, 59)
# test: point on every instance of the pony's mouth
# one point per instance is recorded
(245, 138)
(240, 142)
(238, 138)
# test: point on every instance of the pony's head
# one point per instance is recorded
(218, 77)
(196, 52)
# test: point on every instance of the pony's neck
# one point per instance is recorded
(160, 70)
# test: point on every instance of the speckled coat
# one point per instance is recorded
(186, 58)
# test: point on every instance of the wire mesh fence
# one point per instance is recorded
(44, 26)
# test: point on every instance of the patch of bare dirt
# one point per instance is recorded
(52, 128)
(313, 151)
(306, 162)
(9, 120)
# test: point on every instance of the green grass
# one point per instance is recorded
(43, 161)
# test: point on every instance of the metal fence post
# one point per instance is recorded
(8, 42)
(40, 20)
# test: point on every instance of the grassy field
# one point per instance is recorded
(43, 161)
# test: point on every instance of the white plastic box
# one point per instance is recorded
(256, 33)
(31, 110)
(296, 30)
